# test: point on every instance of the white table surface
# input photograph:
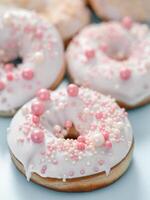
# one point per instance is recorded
(135, 184)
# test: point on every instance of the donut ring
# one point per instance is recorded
(68, 16)
(139, 10)
(107, 57)
(40, 48)
(71, 140)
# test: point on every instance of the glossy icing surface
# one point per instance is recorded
(38, 134)
(113, 58)
(25, 35)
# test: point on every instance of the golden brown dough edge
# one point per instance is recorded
(82, 184)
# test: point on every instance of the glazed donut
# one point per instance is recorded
(139, 10)
(73, 139)
(68, 16)
(39, 49)
(107, 57)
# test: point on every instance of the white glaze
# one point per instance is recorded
(103, 73)
(44, 56)
(59, 164)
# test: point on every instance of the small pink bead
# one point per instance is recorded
(125, 73)
(108, 144)
(2, 85)
(27, 74)
(37, 136)
(39, 34)
(72, 90)
(8, 67)
(104, 47)
(99, 115)
(81, 138)
(80, 146)
(37, 108)
(43, 94)
(35, 119)
(127, 22)
(68, 124)
(90, 54)
(106, 135)
(10, 76)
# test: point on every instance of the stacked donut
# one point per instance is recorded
(76, 138)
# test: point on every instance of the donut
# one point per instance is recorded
(31, 57)
(68, 16)
(71, 139)
(116, 9)
(107, 57)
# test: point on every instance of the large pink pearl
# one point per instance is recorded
(127, 22)
(80, 146)
(81, 138)
(2, 85)
(9, 67)
(43, 94)
(35, 119)
(72, 90)
(27, 74)
(37, 136)
(125, 73)
(37, 108)
(10, 76)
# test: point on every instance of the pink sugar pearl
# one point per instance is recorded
(68, 124)
(80, 146)
(10, 76)
(105, 135)
(90, 54)
(35, 119)
(127, 22)
(108, 144)
(125, 74)
(37, 108)
(81, 138)
(27, 74)
(72, 90)
(43, 94)
(8, 67)
(99, 115)
(104, 47)
(2, 85)
(37, 137)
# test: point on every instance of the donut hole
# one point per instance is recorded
(17, 61)
(72, 133)
(116, 43)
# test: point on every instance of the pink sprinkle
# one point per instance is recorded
(37, 136)
(90, 54)
(127, 22)
(108, 144)
(27, 74)
(81, 138)
(43, 94)
(82, 171)
(38, 34)
(72, 90)
(37, 108)
(99, 115)
(106, 135)
(2, 85)
(35, 119)
(80, 146)
(101, 162)
(68, 124)
(104, 47)
(125, 73)
(9, 67)
(43, 170)
(10, 76)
